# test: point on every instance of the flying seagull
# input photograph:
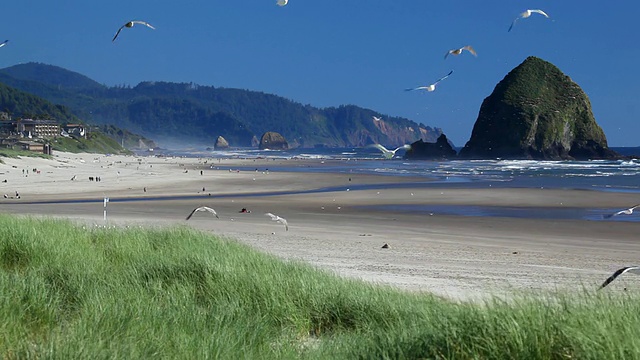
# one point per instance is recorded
(388, 154)
(377, 118)
(202, 208)
(631, 269)
(4, 43)
(459, 51)
(282, 2)
(628, 211)
(130, 25)
(525, 15)
(279, 219)
(431, 87)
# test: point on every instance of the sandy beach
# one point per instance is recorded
(342, 231)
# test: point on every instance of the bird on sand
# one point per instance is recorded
(389, 154)
(526, 14)
(130, 25)
(279, 219)
(431, 87)
(202, 208)
(4, 43)
(282, 2)
(459, 51)
(628, 211)
(630, 269)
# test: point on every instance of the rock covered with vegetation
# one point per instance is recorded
(440, 150)
(273, 141)
(537, 112)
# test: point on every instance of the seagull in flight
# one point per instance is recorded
(282, 2)
(631, 269)
(628, 211)
(431, 87)
(130, 25)
(389, 154)
(459, 51)
(277, 218)
(4, 43)
(377, 118)
(526, 14)
(202, 208)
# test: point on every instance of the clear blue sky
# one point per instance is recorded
(328, 53)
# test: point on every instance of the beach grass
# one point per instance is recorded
(14, 154)
(69, 290)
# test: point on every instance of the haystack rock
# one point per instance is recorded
(273, 141)
(537, 112)
(221, 143)
(440, 150)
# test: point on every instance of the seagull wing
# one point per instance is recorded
(447, 54)
(381, 148)
(117, 33)
(513, 24)
(444, 77)
(272, 216)
(539, 12)
(191, 214)
(284, 222)
(470, 49)
(632, 269)
(418, 88)
(210, 210)
(4, 43)
(143, 23)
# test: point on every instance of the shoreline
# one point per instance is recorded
(459, 257)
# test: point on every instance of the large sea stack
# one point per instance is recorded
(273, 141)
(537, 112)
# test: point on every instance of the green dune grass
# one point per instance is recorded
(67, 291)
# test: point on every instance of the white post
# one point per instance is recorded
(106, 200)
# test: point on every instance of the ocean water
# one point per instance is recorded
(595, 175)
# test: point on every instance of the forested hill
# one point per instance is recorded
(196, 113)
(21, 104)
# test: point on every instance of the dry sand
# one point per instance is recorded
(453, 256)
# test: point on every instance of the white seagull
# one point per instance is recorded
(389, 154)
(459, 51)
(375, 118)
(631, 269)
(4, 43)
(202, 208)
(279, 219)
(129, 25)
(431, 87)
(525, 15)
(628, 211)
(282, 2)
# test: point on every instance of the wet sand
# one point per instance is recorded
(343, 231)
